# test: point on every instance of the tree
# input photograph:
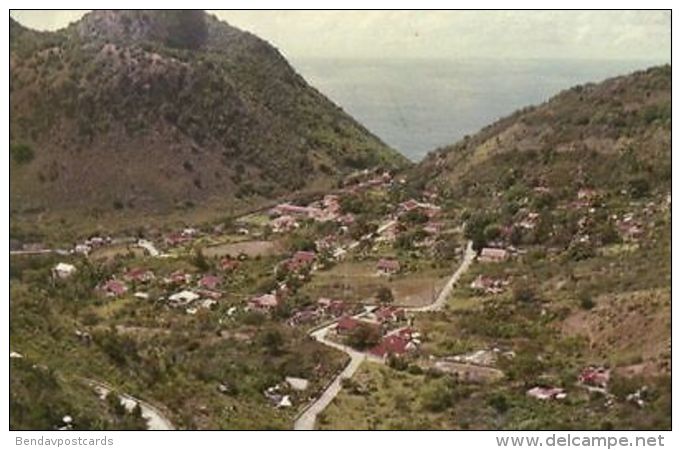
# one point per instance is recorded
(273, 342)
(385, 295)
(200, 261)
(364, 336)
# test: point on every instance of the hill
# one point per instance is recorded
(614, 135)
(145, 112)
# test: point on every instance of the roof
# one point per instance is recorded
(493, 253)
(264, 301)
(388, 264)
(347, 323)
(209, 281)
(115, 287)
(394, 344)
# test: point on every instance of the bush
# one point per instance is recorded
(364, 336)
(499, 403)
(585, 301)
(21, 153)
(524, 294)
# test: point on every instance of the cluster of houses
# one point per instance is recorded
(397, 337)
(592, 378)
(285, 217)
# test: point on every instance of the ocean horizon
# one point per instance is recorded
(419, 105)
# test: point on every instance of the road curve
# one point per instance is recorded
(308, 418)
(156, 420)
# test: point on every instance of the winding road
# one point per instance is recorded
(156, 420)
(308, 418)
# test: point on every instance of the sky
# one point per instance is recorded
(611, 35)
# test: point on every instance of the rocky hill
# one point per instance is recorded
(151, 111)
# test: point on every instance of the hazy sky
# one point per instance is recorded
(448, 34)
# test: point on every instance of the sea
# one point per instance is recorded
(419, 105)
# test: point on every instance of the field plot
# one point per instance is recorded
(358, 281)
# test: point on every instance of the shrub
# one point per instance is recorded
(21, 153)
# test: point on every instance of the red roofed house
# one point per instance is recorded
(347, 325)
(489, 254)
(300, 259)
(139, 275)
(283, 224)
(264, 302)
(179, 277)
(229, 264)
(389, 314)
(209, 281)
(595, 376)
(114, 288)
(388, 266)
(394, 345)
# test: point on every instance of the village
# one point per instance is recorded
(356, 270)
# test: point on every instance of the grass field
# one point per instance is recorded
(358, 281)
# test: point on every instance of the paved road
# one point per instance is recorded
(149, 247)
(155, 418)
(306, 421)
(443, 296)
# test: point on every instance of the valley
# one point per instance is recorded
(220, 247)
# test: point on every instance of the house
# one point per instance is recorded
(547, 393)
(229, 265)
(489, 254)
(630, 230)
(393, 345)
(183, 298)
(409, 205)
(209, 282)
(213, 295)
(284, 224)
(488, 285)
(63, 271)
(586, 194)
(346, 219)
(305, 316)
(299, 384)
(175, 239)
(595, 376)
(300, 260)
(433, 227)
(114, 288)
(388, 314)
(263, 302)
(388, 266)
(139, 275)
(347, 325)
(333, 307)
(296, 211)
(178, 278)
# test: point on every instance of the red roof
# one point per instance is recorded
(389, 313)
(300, 259)
(347, 324)
(209, 281)
(229, 264)
(139, 274)
(391, 345)
(115, 287)
(388, 265)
